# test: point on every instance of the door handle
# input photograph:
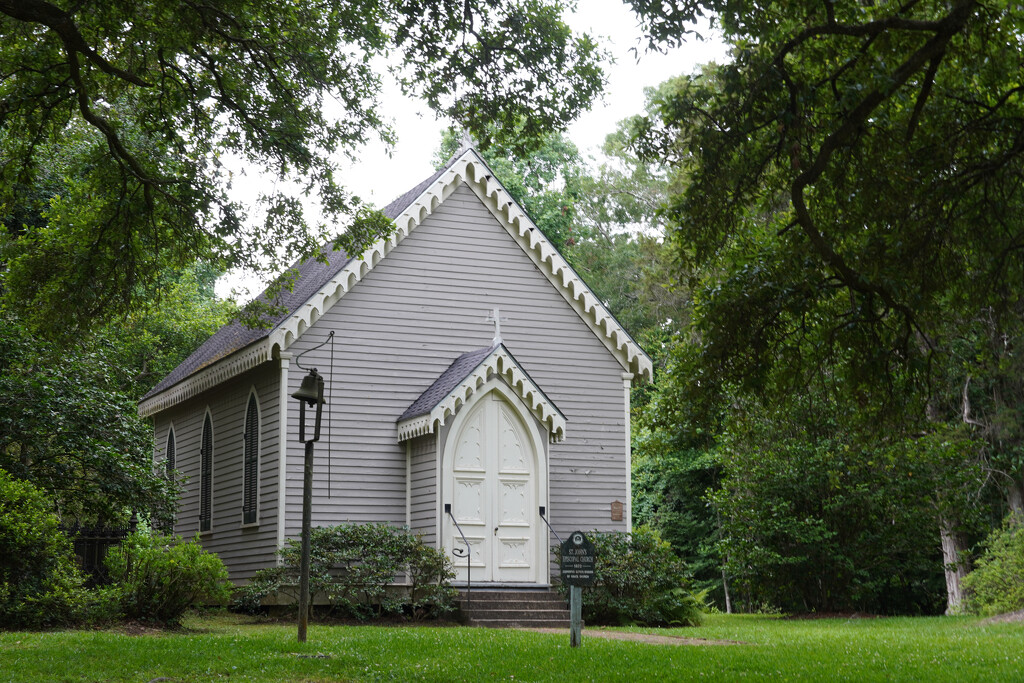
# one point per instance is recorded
(495, 531)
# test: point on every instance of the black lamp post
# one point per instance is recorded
(311, 392)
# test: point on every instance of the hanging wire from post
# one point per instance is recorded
(330, 338)
(330, 425)
(328, 381)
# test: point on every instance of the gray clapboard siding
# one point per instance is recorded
(243, 550)
(423, 488)
(408, 319)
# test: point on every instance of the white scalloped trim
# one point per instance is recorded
(499, 363)
(472, 170)
(207, 378)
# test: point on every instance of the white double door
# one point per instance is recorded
(492, 482)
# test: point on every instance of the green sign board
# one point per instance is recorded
(578, 555)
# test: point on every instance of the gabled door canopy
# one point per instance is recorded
(235, 349)
(463, 378)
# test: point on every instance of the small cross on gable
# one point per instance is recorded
(496, 316)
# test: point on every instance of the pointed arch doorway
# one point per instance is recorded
(494, 475)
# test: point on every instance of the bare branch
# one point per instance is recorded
(966, 404)
(922, 97)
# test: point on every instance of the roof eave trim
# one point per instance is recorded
(240, 361)
(573, 289)
(499, 363)
(472, 170)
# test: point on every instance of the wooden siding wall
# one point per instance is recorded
(402, 326)
(423, 488)
(247, 549)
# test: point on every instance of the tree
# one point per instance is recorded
(137, 110)
(545, 182)
(39, 582)
(68, 431)
(854, 200)
(624, 258)
(158, 335)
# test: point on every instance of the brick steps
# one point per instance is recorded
(538, 608)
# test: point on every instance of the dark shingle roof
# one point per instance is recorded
(312, 277)
(456, 373)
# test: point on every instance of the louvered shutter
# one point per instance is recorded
(169, 460)
(250, 483)
(206, 477)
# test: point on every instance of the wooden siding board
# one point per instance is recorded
(409, 318)
(423, 488)
(396, 331)
(243, 550)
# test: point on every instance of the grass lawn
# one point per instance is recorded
(226, 647)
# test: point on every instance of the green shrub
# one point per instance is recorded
(159, 577)
(352, 566)
(996, 586)
(40, 585)
(430, 574)
(638, 580)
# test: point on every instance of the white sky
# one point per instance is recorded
(378, 178)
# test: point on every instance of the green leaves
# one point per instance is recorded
(39, 582)
(353, 565)
(996, 586)
(851, 226)
(639, 580)
(159, 577)
(117, 116)
(67, 426)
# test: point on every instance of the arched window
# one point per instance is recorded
(251, 463)
(169, 454)
(206, 476)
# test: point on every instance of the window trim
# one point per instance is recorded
(206, 482)
(170, 453)
(257, 459)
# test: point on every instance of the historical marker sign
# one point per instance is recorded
(616, 510)
(578, 556)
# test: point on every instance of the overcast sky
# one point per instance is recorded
(378, 178)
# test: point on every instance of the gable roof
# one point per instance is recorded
(235, 349)
(463, 378)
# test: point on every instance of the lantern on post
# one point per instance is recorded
(311, 393)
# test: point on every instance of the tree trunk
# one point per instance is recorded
(953, 550)
(725, 586)
(1015, 498)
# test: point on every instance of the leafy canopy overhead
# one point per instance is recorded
(851, 230)
(117, 120)
(856, 184)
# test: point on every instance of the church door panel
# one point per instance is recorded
(494, 494)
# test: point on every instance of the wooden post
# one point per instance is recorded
(575, 616)
(307, 505)
(577, 567)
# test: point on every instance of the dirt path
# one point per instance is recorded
(650, 638)
(1005, 618)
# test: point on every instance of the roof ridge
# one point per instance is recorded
(244, 349)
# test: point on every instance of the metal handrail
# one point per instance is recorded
(542, 511)
(459, 552)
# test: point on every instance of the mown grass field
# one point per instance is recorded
(231, 648)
